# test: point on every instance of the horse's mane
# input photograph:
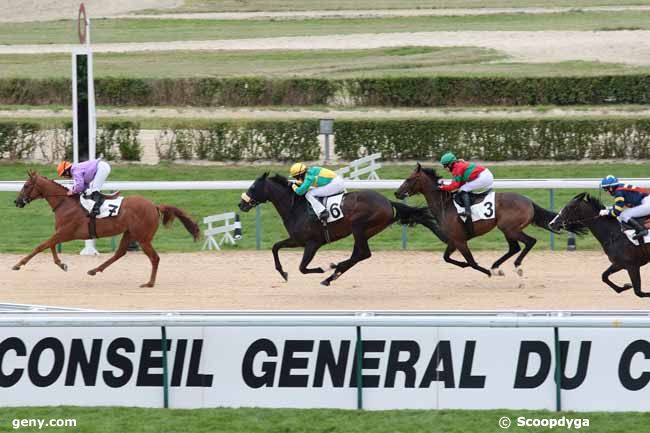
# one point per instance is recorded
(432, 174)
(52, 181)
(279, 179)
(588, 198)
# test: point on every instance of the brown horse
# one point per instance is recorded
(138, 220)
(514, 212)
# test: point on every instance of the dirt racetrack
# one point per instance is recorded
(248, 280)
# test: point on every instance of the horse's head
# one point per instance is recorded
(264, 189)
(29, 191)
(419, 181)
(576, 212)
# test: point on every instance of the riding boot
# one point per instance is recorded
(324, 216)
(467, 204)
(640, 229)
(99, 200)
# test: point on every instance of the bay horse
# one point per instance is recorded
(137, 220)
(581, 214)
(513, 213)
(366, 213)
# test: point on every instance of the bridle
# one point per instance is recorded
(28, 199)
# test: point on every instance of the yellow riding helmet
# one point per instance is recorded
(297, 169)
(62, 167)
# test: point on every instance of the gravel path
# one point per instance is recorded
(631, 47)
(252, 113)
(382, 13)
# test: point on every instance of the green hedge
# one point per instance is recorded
(402, 91)
(496, 139)
(115, 140)
(234, 141)
(487, 139)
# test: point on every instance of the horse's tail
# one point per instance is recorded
(417, 215)
(542, 217)
(170, 212)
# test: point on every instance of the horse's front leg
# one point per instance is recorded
(467, 254)
(307, 256)
(286, 243)
(50, 243)
(635, 276)
(611, 270)
(57, 260)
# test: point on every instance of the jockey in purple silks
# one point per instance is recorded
(87, 175)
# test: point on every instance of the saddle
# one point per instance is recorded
(474, 197)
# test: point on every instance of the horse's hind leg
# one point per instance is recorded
(513, 248)
(635, 276)
(611, 270)
(121, 250)
(529, 243)
(154, 258)
(467, 254)
(360, 252)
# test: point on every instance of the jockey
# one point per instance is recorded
(635, 199)
(89, 175)
(466, 177)
(324, 182)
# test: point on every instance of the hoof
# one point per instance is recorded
(16, 268)
(519, 271)
(627, 286)
(146, 285)
(285, 276)
(325, 283)
(332, 265)
(64, 267)
(320, 270)
(92, 272)
(496, 272)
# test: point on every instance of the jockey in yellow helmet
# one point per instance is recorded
(323, 183)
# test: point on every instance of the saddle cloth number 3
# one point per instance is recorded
(484, 210)
(333, 205)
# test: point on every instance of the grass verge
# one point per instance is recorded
(164, 30)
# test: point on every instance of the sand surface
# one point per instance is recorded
(248, 280)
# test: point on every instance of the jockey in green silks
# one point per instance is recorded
(315, 182)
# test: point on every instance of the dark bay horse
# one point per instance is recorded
(138, 220)
(366, 213)
(582, 214)
(514, 212)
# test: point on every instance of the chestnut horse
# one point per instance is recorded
(138, 220)
(514, 213)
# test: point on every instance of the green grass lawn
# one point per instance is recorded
(305, 5)
(407, 61)
(254, 420)
(25, 228)
(150, 30)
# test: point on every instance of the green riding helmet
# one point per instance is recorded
(448, 159)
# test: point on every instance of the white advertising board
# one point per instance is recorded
(312, 367)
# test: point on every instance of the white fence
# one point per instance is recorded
(579, 361)
(362, 166)
(229, 225)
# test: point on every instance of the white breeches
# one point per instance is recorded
(334, 187)
(638, 211)
(103, 170)
(483, 181)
